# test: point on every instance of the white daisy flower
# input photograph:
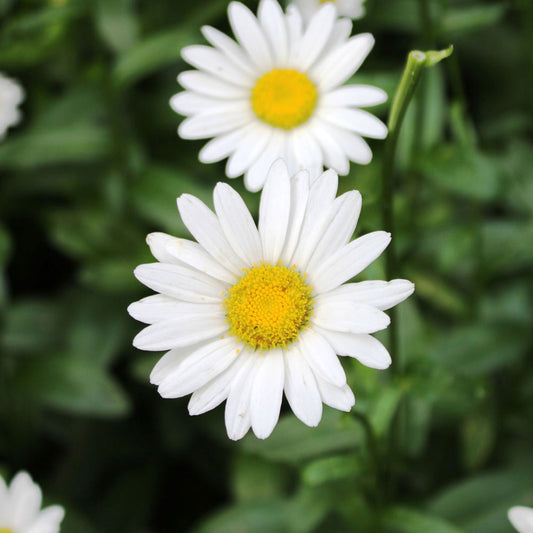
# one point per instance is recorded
(20, 508)
(521, 518)
(251, 312)
(11, 95)
(276, 93)
(353, 9)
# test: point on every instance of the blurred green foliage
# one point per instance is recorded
(96, 164)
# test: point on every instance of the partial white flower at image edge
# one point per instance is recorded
(521, 518)
(249, 313)
(276, 92)
(353, 9)
(20, 508)
(11, 95)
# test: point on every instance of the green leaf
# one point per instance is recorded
(73, 385)
(384, 409)
(32, 326)
(475, 350)
(266, 518)
(467, 173)
(256, 480)
(292, 441)
(117, 24)
(481, 503)
(458, 20)
(78, 143)
(152, 54)
(154, 195)
(478, 435)
(331, 469)
(405, 520)
(439, 293)
(506, 249)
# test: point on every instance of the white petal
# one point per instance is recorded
(299, 195)
(332, 153)
(349, 261)
(354, 95)
(183, 330)
(237, 224)
(249, 149)
(180, 282)
(339, 230)
(216, 391)
(318, 214)
(210, 85)
(192, 254)
(341, 398)
(224, 145)
(340, 34)
(230, 49)
(274, 211)
(205, 228)
(216, 63)
(267, 393)
(521, 518)
(216, 121)
(380, 294)
(25, 500)
(320, 356)
(48, 521)
(316, 36)
(353, 145)
(158, 246)
(160, 307)
(171, 361)
(249, 34)
(301, 389)
(338, 314)
(355, 120)
(190, 103)
(272, 21)
(294, 30)
(365, 348)
(237, 414)
(255, 176)
(339, 65)
(305, 150)
(200, 367)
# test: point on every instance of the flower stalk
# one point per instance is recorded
(417, 61)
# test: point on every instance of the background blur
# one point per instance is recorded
(96, 164)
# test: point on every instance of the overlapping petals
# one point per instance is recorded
(217, 96)
(301, 223)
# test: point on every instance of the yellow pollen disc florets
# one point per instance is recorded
(284, 98)
(324, 1)
(5, 530)
(268, 306)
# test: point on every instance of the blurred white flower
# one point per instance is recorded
(250, 312)
(20, 508)
(353, 9)
(11, 95)
(521, 518)
(276, 93)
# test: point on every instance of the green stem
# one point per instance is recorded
(372, 446)
(416, 62)
(411, 75)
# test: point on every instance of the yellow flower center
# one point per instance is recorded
(5, 530)
(324, 1)
(268, 306)
(284, 98)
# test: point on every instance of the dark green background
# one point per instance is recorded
(96, 164)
